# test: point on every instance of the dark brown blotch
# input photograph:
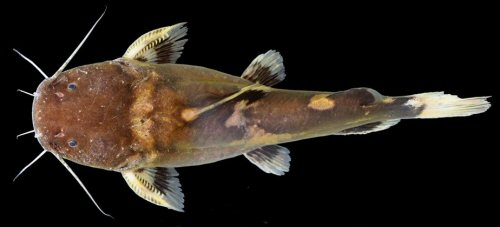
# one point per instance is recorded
(364, 96)
(251, 96)
(362, 128)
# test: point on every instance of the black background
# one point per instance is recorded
(441, 172)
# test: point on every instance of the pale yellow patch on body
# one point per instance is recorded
(237, 119)
(170, 120)
(256, 87)
(255, 131)
(141, 126)
(321, 102)
(258, 136)
(189, 114)
(388, 100)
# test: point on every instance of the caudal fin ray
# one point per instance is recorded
(439, 105)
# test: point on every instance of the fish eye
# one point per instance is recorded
(72, 143)
(71, 86)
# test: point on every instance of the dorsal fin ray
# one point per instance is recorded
(160, 46)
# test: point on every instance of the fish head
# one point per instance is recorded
(82, 115)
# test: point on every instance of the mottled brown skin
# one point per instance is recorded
(126, 114)
(93, 114)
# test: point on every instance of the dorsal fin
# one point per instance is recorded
(160, 46)
(266, 69)
(270, 159)
(157, 185)
(371, 127)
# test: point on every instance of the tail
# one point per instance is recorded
(425, 105)
(438, 105)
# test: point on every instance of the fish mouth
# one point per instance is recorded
(39, 96)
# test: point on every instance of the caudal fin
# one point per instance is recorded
(438, 105)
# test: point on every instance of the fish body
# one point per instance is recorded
(143, 115)
(140, 114)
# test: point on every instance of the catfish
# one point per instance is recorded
(143, 115)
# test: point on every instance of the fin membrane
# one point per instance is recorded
(271, 159)
(438, 104)
(266, 69)
(160, 46)
(371, 127)
(157, 185)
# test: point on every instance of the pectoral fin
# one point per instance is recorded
(163, 45)
(271, 159)
(371, 127)
(266, 69)
(157, 185)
